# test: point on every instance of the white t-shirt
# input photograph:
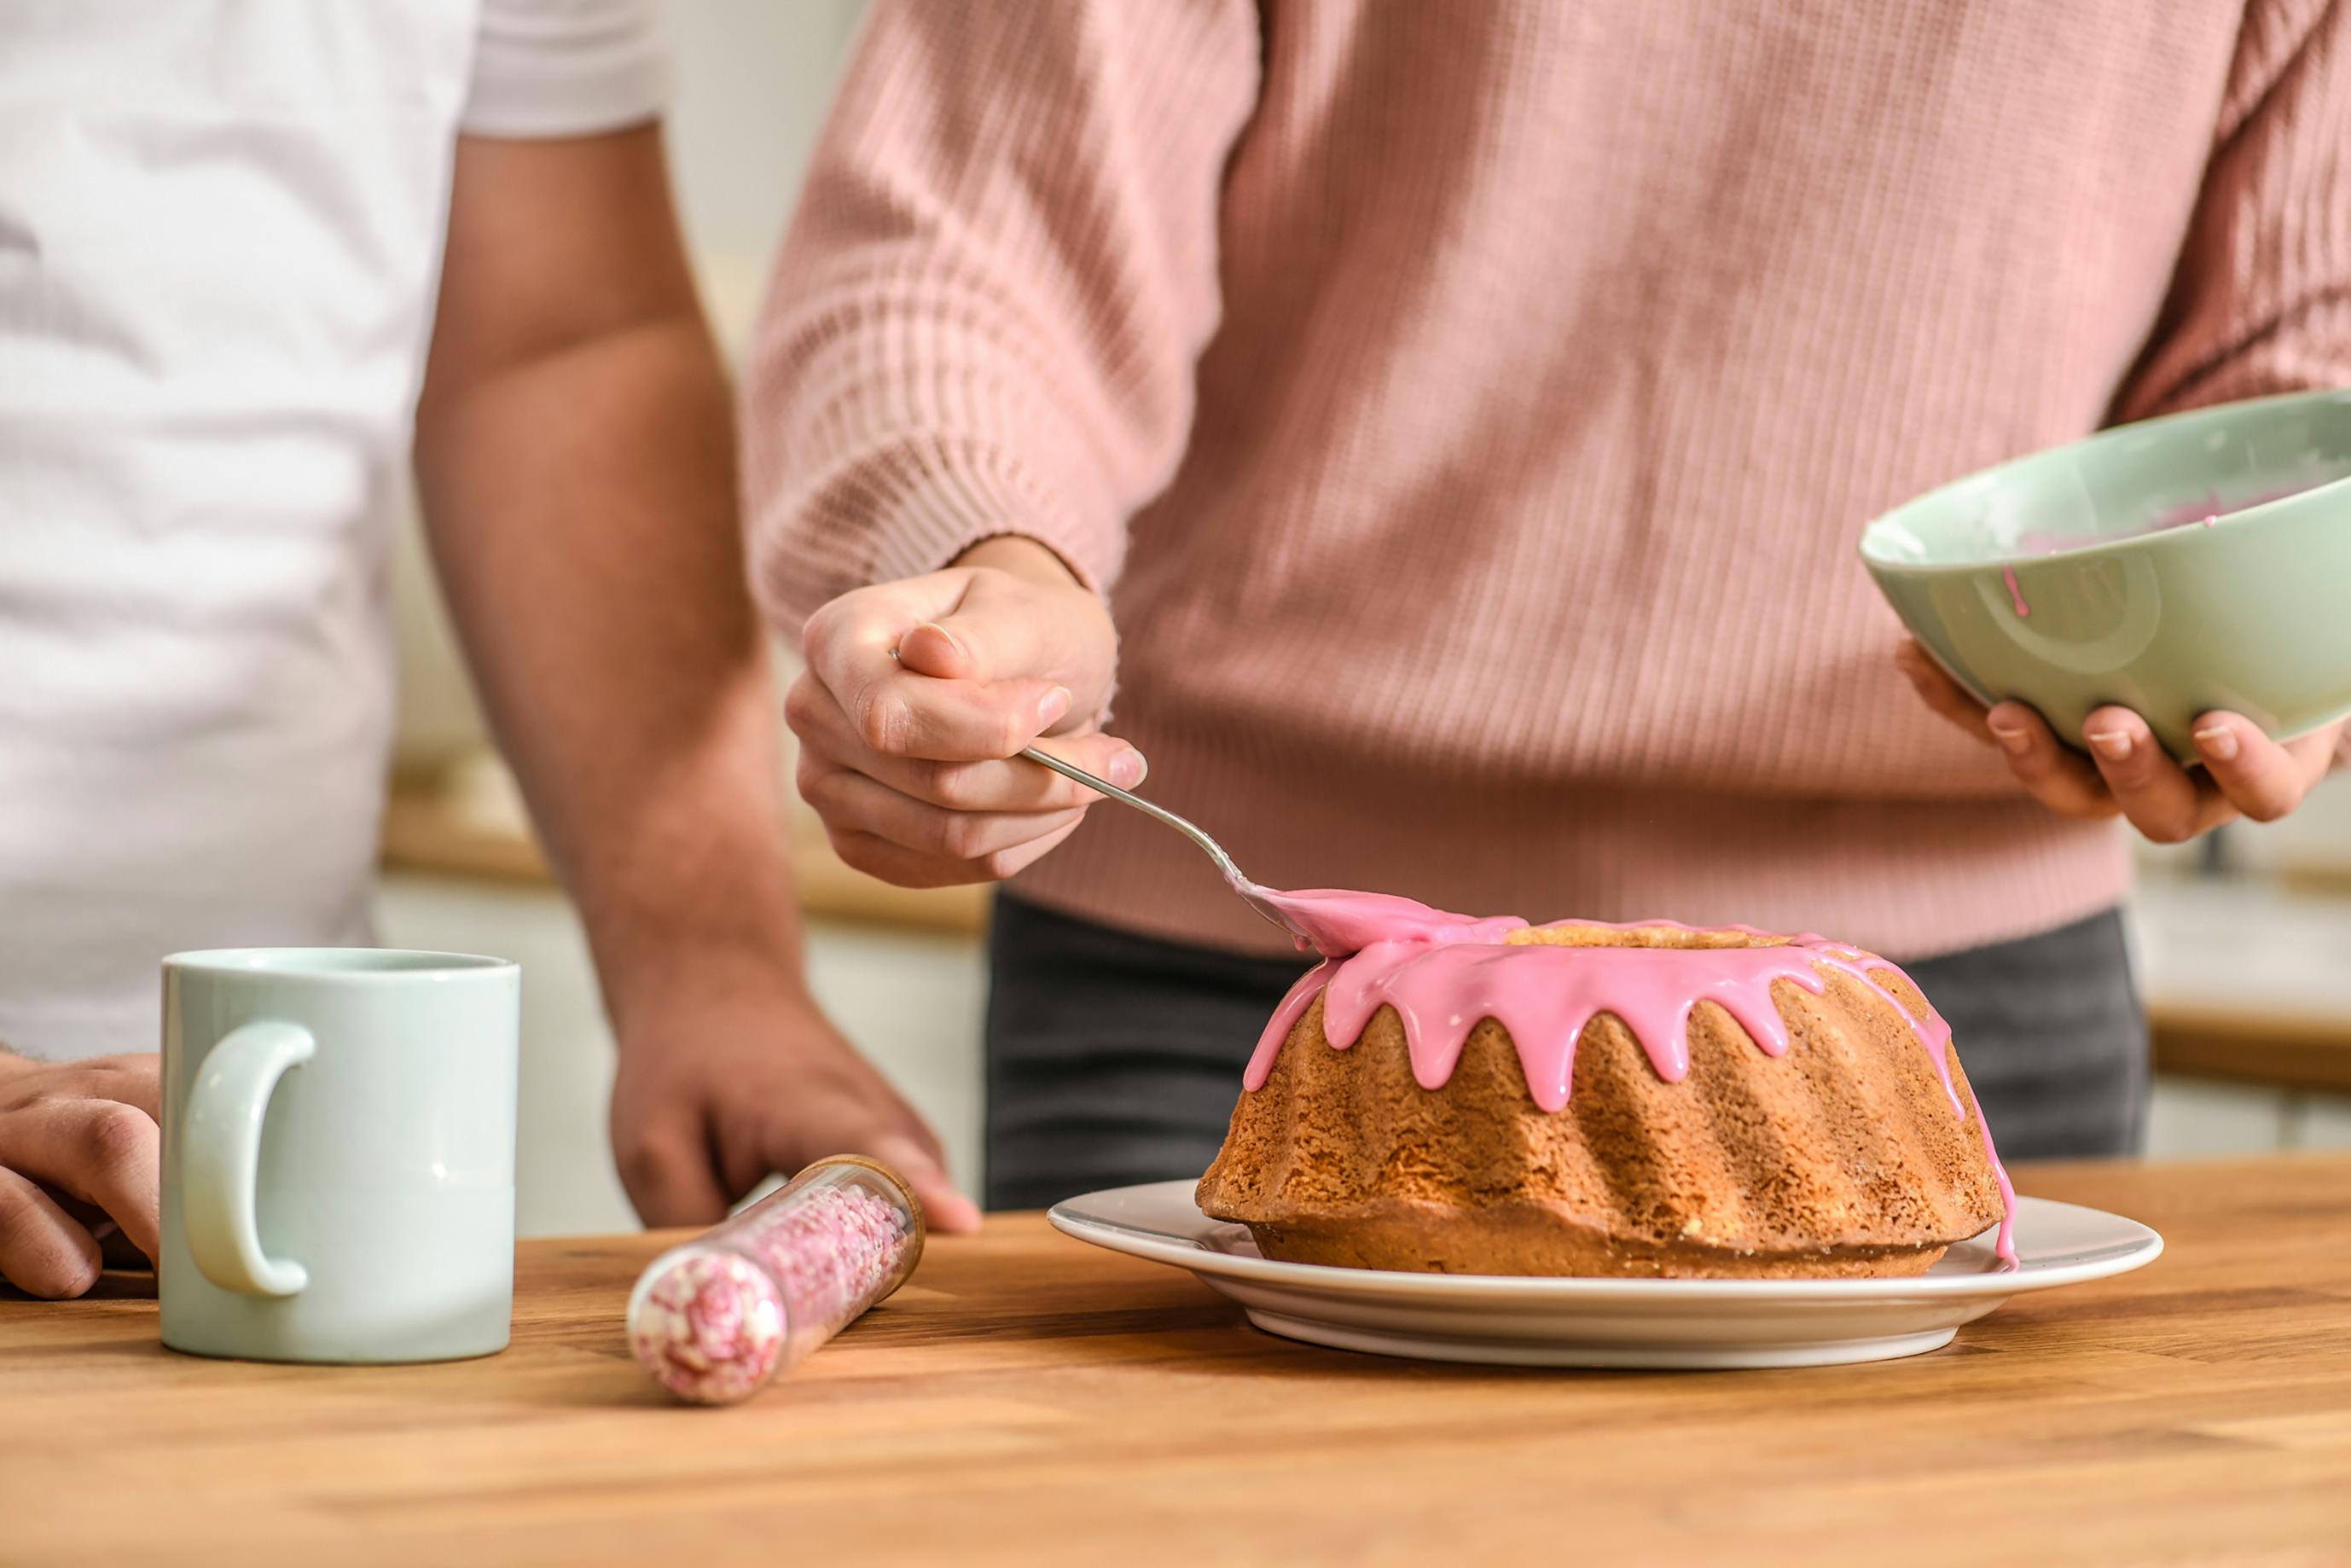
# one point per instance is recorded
(221, 228)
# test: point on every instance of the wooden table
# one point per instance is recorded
(1028, 1400)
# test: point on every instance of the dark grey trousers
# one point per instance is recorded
(1116, 1058)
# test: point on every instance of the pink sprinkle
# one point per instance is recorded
(718, 1318)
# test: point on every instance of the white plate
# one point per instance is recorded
(1516, 1321)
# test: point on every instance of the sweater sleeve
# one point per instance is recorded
(986, 312)
(2261, 301)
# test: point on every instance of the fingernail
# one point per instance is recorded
(1127, 769)
(1053, 705)
(2219, 742)
(2012, 737)
(2114, 744)
(944, 633)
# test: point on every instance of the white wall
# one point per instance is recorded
(754, 79)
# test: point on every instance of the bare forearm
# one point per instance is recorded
(581, 510)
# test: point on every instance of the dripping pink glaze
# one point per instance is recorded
(1442, 973)
(2015, 594)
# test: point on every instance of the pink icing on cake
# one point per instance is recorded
(1335, 921)
(1442, 973)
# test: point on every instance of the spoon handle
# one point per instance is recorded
(1215, 851)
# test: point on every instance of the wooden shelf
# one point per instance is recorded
(2245, 981)
(423, 833)
(2280, 1052)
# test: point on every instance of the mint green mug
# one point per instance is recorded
(339, 1153)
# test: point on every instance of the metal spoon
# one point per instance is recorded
(1251, 894)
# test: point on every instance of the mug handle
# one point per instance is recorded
(220, 1154)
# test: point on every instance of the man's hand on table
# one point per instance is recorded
(2128, 773)
(920, 694)
(78, 1169)
(723, 1081)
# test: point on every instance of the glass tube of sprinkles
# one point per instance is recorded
(717, 1317)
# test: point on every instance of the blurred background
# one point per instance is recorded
(2244, 941)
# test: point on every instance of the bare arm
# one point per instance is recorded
(575, 449)
(575, 452)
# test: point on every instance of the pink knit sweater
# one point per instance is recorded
(1472, 408)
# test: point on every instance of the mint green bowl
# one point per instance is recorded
(2251, 611)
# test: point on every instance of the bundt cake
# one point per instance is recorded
(1478, 1096)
